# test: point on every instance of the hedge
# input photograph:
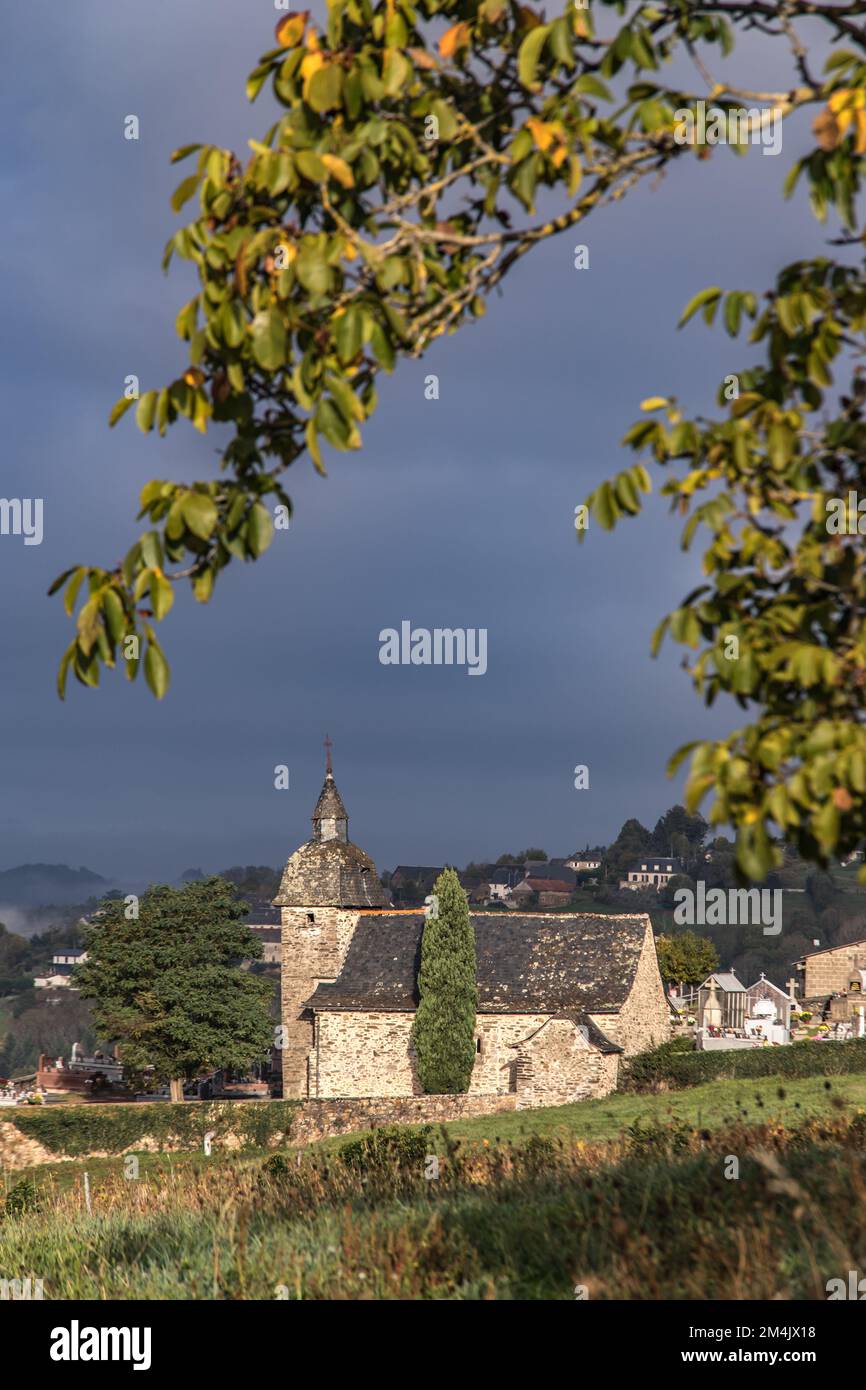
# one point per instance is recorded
(675, 1066)
(79, 1130)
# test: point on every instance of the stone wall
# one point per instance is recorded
(362, 1054)
(370, 1053)
(317, 1119)
(314, 945)
(644, 1020)
(18, 1151)
(313, 1119)
(829, 971)
(557, 1065)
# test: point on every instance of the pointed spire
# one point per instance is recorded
(330, 818)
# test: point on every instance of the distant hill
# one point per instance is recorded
(34, 885)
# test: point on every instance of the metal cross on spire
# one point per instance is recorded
(328, 746)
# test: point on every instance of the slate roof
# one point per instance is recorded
(415, 873)
(594, 1035)
(330, 873)
(527, 963)
(555, 870)
(330, 804)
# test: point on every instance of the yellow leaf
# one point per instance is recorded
(309, 67)
(421, 58)
(350, 251)
(860, 142)
(193, 376)
(290, 30)
(653, 403)
(542, 132)
(338, 169)
(559, 155)
(455, 38)
(849, 98)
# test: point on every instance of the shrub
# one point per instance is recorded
(78, 1130)
(673, 1066)
(24, 1196)
(401, 1148)
(657, 1139)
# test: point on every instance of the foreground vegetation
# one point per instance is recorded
(515, 1206)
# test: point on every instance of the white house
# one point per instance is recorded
(652, 871)
(59, 976)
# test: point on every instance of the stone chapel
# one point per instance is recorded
(561, 998)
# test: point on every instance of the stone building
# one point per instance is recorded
(835, 970)
(561, 997)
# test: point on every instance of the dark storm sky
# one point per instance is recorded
(457, 513)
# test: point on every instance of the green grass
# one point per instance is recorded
(715, 1105)
(657, 1218)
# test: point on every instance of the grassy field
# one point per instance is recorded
(713, 1106)
(627, 1197)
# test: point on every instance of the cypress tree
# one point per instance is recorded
(444, 1028)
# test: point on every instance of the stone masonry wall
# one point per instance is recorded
(370, 1054)
(557, 1065)
(313, 1119)
(317, 1119)
(828, 972)
(313, 952)
(364, 1054)
(644, 1020)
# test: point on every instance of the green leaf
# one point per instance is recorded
(260, 529)
(382, 347)
(151, 550)
(156, 671)
(64, 670)
(603, 506)
(120, 408)
(326, 89)
(232, 323)
(311, 166)
(184, 152)
(186, 319)
(703, 297)
(448, 125)
(269, 339)
(200, 514)
(348, 402)
(184, 192)
(115, 615)
(349, 333)
(313, 446)
(146, 411)
(202, 585)
(313, 271)
(591, 86)
(529, 54)
(161, 594)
